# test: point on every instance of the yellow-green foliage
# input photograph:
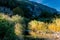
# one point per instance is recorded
(17, 18)
(18, 29)
(55, 25)
(3, 16)
(13, 26)
(10, 28)
(37, 27)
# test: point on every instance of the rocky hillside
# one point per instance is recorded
(35, 8)
(30, 9)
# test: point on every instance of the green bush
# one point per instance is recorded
(6, 29)
(46, 14)
(18, 11)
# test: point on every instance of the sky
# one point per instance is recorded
(51, 3)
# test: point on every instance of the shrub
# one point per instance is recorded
(46, 14)
(37, 27)
(17, 18)
(19, 25)
(18, 11)
(10, 28)
(55, 26)
(3, 16)
(6, 29)
(19, 30)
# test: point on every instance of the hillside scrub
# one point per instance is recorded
(55, 25)
(16, 25)
(39, 29)
(10, 29)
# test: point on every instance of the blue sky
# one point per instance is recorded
(51, 3)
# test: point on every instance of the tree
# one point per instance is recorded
(18, 11)
(46, 14)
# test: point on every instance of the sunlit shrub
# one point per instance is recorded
(6, 27)
(3, 16)
(17, 18)
(37, 27)
(10, 28)
(18, 29)
(55, 26)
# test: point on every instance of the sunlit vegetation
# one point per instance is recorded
(14, 27)
(3, 16)
(55, 26)
(37, 27)
(18, 29)
(17, 18)
(41, 29)
(7, 28)
(10, 29)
